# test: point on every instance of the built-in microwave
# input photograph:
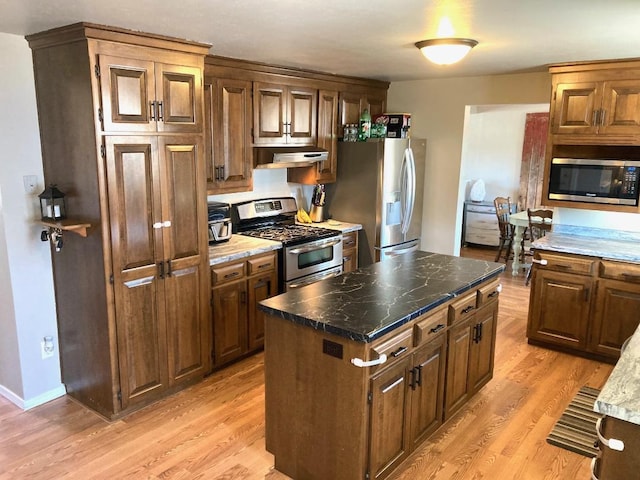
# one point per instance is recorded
(594, 180)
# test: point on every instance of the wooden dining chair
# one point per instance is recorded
(503, 209)
(540, 222)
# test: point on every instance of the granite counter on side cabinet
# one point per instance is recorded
(240, 246)
(372, 301)
(620, 396)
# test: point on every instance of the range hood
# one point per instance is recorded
(289, 157)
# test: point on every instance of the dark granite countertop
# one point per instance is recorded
(372, 301)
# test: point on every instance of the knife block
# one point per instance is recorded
(316, 214)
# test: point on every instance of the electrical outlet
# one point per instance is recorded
(47, 347)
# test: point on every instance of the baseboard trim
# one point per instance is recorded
(32, 402)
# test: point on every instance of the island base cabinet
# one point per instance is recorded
(315, 403)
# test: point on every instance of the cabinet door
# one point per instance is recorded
(133, 182)
(388, 439)
(178, 98)
(328, 135)
(260, 288)
(127, 93)
(559, 308)
(351, 105)
(457, 387)
(302, 111)
(269, 114)
(574, 107)
(615, 316)
(427, 389)
(377, 103)
(483, 347)
(229, 155)
(621, 107)
(186, 270)
(229, 322)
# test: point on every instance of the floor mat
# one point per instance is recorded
(576, 429)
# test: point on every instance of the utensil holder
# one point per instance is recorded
(316, 214)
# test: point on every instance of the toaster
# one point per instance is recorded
(219, 222)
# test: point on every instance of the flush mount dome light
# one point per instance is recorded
(445, 51)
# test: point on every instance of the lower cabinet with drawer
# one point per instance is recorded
(237, 287)
(390, 406)
(584, 304)
(349, 251)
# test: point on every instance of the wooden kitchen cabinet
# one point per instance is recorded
(349, 252)
(613, 464)
(227, 125)
(142, 95)
(325, 171)
(618, 298)
(120, 116)
(237, 288)
(597, 103)
(471, 346)
(284, 115)
(388, 409)
(353, 103)
(559, 308)
(585, 304)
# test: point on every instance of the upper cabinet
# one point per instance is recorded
(284, 115)
(141, 95)
(596, 104)
(228, 149)
(251, 105)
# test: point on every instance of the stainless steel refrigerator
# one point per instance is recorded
(380, 185)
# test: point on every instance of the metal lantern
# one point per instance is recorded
(52, 204)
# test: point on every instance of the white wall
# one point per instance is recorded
(27, 296)
(437, 110)
(492, 148)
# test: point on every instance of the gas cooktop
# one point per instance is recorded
(291, 234)
(274, 219)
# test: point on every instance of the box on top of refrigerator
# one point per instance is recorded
(398, 124)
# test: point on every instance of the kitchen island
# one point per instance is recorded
(356, 367)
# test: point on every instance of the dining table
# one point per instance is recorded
(520, 222)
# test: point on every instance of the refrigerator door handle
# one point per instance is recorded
(408, 188)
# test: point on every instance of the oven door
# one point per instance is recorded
(312, 257)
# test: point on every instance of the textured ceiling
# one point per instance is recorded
(373, 38)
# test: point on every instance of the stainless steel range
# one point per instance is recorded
(309, 254)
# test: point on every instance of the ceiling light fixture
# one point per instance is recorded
(445, 51)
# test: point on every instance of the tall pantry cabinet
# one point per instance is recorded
(121, 127)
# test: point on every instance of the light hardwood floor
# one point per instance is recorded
(215, 430)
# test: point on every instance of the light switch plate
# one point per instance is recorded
(30, 183)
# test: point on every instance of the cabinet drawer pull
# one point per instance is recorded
(631, 276)
(232, 274)
(612, 443)
(437, 328)
(394, 384)
(468, 309)
(593, 468)
(399, 352)
(264, 265)
(563, 266)
(358, 362)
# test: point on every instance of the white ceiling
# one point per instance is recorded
(365, 38)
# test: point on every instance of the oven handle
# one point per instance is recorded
(315, 246)
(314, 279)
